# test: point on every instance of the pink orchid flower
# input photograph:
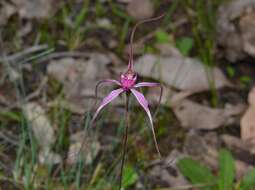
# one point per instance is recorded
(127, 84)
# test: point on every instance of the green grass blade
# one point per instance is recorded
(129, 176)
(226, 170)
(185, 45)
(248, 182)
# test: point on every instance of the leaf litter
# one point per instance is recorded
(79, 76)
(82, 147)
(209, 118)
(140, 9)
(235, 27)
(248, 121)
(39, 9)
(182, 73)
(43, 132)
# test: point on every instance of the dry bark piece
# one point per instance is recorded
(180, 72)
(197, 116)
(140, 9)
(248, 120)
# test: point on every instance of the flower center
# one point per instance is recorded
(128, 80)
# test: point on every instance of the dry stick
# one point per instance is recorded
(16, 56)
(125, 137)
(171, 26)
(58, 55)
(187, 187)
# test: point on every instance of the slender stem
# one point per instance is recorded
(125, 137)
(131, 56)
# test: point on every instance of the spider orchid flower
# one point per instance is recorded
(128, 84)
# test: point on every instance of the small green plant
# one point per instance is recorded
(245, 81)
(129, 176)
(203, 178)
(230, 71)
(203, 25)
(162, 37)
(185, 45)
(74, 33)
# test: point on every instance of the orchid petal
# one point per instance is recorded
(152, 84)
(144, 103)
(110, 97)
(105, 81)
(109, 81)
(148, 84)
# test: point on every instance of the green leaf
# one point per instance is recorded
(80, 18)
(196, 173)
(185, 44)
(245, 79)
(227, 170)
(129, 176)
(162, 37)
(231, 71)
(248, 182)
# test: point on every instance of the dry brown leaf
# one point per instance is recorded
(41, 126)
(43, 132)
(124, 1)
(48, 157)
(234, 143)
(179, 72)
(82, 147)
(205, 148)
(6, 11)
(168, 173)
(168, 49)
(242, 150)
(247, 26)
(248, 120)
(140, 9)
(197, 116)
(236, 29)
(79, 78)
(34, 8)
(164, 176)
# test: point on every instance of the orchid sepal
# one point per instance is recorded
(109, 98)
(152, 84)
(144, 103)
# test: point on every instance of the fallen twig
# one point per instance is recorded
(187, 187)
(58, 55)
(17, 56)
